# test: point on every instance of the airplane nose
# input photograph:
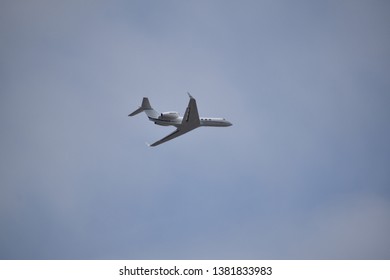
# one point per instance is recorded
(229, 123)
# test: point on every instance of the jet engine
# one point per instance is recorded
(169, 115)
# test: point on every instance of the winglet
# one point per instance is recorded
(190, 95)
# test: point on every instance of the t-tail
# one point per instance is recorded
(145, 107)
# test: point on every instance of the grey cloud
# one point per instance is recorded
(302, 173)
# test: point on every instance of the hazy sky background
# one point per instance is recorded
(303, 173)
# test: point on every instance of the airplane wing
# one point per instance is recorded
(190, 121)
(191, 116)
(174, 134)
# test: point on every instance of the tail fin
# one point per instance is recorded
(145, 107)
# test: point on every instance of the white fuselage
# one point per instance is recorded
(203, 121)
(188, 122)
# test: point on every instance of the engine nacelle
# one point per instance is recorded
(169, 115)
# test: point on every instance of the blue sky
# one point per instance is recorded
(303, 173)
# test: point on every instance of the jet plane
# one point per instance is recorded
(188, 122)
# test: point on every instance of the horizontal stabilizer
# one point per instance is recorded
(139, 110)
(145, 106)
